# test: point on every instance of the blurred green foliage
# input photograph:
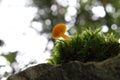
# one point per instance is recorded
(84, 17)
(10, 59)
(11, 56)
(88, 46)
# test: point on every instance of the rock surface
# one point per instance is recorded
(75, 70)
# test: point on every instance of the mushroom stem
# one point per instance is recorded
(66, 37)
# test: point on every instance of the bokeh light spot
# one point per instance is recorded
(72, 11)
(98, 11)
(114, 26)
(110, 9)
(37, 26)
(105, 28)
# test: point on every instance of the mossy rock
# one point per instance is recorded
(88, 46)
(108, 69)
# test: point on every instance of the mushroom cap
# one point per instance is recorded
(58, 30)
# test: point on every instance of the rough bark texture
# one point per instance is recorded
(106, 70)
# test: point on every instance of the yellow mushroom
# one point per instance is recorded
(59, 31)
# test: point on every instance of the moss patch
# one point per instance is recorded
(88, 46)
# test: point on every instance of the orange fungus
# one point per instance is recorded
(59, 30)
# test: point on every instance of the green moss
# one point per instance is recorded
(88, 46)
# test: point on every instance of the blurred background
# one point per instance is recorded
(26, 25)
